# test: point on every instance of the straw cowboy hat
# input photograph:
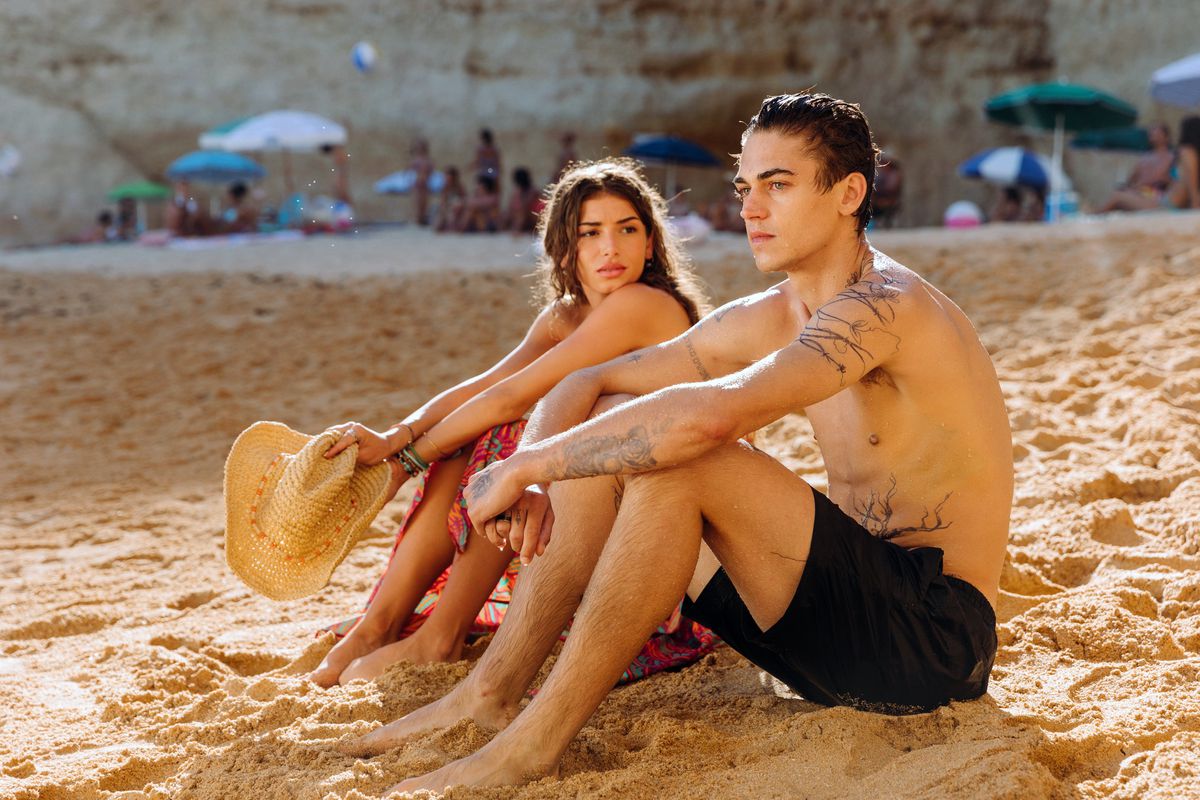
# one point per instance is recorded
(292, 515)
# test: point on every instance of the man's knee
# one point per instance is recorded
(609, 401)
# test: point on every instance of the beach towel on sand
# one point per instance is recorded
(677, 642)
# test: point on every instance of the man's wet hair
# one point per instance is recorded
(838, 135)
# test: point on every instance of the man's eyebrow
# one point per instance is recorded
(619, 222)
(762, 176)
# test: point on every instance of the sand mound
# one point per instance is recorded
(134, 665)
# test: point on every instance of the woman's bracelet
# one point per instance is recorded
(412, 437)
(436, 448)
(412, 462)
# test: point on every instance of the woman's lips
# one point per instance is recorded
(610, 270)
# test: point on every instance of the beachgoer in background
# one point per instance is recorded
(889, 191)
(422, 166)
(1150, 177)
(451, 201)
(566, 154)
(102, 231)
(524, 203)
(240, 216)
(1035, 209)
(127, 219)
(878, 595)
(487, 157)
(182, 215)
(341, 172)
(613, 280)
(1184, 188)
(481, 212)
(1007, 207)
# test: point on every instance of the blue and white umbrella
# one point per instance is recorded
(1011, 166)
(214, 166)
(1178, 83)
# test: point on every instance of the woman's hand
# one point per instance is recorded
(373, 447)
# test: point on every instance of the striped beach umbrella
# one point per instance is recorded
(1010, 166)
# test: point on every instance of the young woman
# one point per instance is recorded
(1183, 191)
(613, 280)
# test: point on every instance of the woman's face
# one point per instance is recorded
(613, 246)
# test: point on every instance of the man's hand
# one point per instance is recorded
(507, 513)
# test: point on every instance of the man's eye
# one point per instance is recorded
(777, 184)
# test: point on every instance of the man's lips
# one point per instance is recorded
(758, 237)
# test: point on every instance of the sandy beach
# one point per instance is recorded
(133, 664)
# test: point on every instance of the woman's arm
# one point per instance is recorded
(632, 317)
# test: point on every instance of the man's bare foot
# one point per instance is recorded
(359, 642)
(423, 647)
(491, 766)
(461, 703)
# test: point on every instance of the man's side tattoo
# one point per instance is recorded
(687, 341)
(836, 340)
(875, 514)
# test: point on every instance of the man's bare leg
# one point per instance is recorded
(546, 596)
(441, 637)
(759, 527)
(424, 552)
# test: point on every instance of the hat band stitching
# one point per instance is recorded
(262, 535)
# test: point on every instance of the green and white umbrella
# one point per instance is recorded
(139, 190)
(1060, 107)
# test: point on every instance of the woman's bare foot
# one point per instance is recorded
(461, 703)
(425, 646)
(361, 641)
(492, 766)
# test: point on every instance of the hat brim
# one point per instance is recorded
(253, 557)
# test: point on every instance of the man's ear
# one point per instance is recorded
(853, 189)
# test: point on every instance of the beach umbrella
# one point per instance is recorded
(405, 180)
(215, 166)
(1135, 140)
(1060, 107)
(1178, 83)
(139, 190)
(295, 131)
(671, 152)
(1011, 166)
(211, 138)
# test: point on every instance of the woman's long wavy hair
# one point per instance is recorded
(668, 267)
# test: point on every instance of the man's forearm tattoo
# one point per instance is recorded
(875, 514)
(607, 455)
(837, 340)
(687, 341)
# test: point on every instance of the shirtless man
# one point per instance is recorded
(879, 596)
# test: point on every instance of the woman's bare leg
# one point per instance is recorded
(441, 638)
(423, 554)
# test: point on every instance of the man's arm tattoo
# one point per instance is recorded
(837, 340)
(875, 514)
(687, 340)
(607, 455)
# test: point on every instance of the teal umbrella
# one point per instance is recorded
(1135, 140)
(1060, 107)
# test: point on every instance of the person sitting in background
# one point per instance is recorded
(103, 231)
(481, 212)
(1151, 176)
(889, 187)
(1008, 205)
(1184, 188)
(1035, 209)
(239, 216)
(341, 172)
(422, 166)
(451, 201)
(524, 203)
(183, 212)
(127, 221)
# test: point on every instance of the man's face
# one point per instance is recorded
(788, 217)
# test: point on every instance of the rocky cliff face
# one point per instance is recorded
(94, 93)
